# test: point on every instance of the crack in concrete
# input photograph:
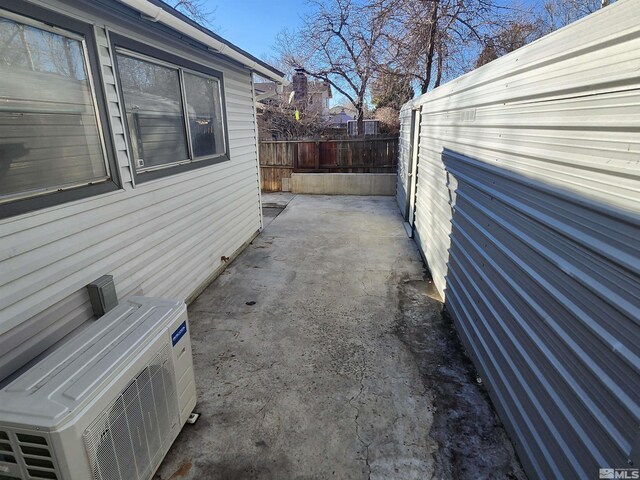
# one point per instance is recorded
(262, 409)
(367, 294)
(357, 409)
(263, 367)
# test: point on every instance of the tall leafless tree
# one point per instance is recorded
(521, 27)
(508, 36)
(338, 43)
(349, 43)
(390, 90)
(559, 13)
(429, 39)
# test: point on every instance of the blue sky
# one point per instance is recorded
(254, 24)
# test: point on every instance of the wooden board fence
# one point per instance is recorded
(280, 158)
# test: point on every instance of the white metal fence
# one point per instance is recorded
(527, 210)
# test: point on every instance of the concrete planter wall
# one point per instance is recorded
(344, 183)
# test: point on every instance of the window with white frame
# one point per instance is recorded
(174, 114)
(50, 129)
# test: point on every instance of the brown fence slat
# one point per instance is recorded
(279, 158)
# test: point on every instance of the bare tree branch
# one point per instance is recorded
(339, 43)
(195, 10)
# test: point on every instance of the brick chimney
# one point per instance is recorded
(300, 85)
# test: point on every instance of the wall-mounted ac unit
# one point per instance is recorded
(107, 404)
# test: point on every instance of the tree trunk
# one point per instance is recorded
(433, 26)
(360, 119)
(439, 66)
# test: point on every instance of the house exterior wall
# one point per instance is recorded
(316, 96)
(528, 214)
(318, 103)
(160, 238)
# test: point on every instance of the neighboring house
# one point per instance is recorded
(265, 92)
(127, 147)
(340, 119)
(311, 96)
(344, 108)
(318, 98)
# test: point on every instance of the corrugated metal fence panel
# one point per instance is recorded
(404, 160)
(162, 238)
(528, 213)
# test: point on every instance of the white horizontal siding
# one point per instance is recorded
(528, 213)
(162, 238)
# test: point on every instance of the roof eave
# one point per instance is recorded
(158, 11)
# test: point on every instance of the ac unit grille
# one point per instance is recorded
(6, 451)
(128, 439)
(31, 452)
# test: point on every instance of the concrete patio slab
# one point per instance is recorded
(323, 352)
(276, 199)
(273, 203)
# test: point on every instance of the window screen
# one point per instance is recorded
(49, 133)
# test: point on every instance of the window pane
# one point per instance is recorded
(48, 128)
(205, 115)
(154, 112)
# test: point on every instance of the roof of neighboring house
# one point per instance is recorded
(339, 118)
(264, 87)
(342, 109)
(237, 54)
(312, 87)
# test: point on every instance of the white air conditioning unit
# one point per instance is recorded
(107, 404)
